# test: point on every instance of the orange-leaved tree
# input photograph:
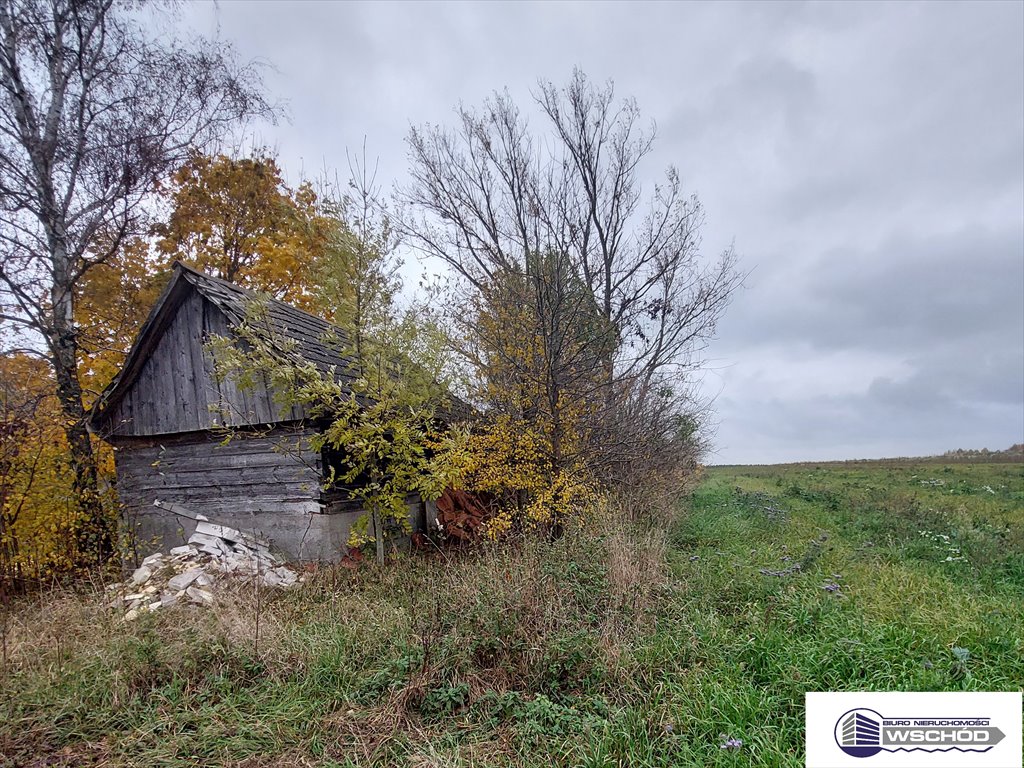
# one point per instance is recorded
(237, 219)
(234, 218)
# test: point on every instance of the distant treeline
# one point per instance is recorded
(1012, 454)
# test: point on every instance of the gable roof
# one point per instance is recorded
(315, 340)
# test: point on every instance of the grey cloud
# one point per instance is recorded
(970, 374)
(901, 295)
(868, 159)
(881, 422)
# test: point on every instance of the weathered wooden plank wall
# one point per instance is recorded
(252, 474)
(267, 484)
(176, 390)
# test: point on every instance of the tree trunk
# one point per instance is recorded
(94, 532)
(378, 535)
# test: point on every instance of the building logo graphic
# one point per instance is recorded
(857, 732)
(864, 732)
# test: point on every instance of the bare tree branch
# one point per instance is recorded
(95, 111)
(621, 300)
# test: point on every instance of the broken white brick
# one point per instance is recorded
(182, 580)
(271, 579)
(202, 539)
(280, 577)
(217, 531)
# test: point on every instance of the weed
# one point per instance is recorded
(445, 700)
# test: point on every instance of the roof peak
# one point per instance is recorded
(195, 277)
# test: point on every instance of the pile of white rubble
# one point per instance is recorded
(192, 572)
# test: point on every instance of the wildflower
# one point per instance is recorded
(731, 743)
(830, 586)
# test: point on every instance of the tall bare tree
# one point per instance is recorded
(491, 196)
(96, 105)
(641, 261)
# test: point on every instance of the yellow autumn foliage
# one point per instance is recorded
(529, 449)
(512, 460)
(37, 511)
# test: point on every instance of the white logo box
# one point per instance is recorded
(913, 730)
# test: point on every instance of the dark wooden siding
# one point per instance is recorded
(176, 390)
(267, 484)
(252, 474)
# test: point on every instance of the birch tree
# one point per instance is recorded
(96, 106)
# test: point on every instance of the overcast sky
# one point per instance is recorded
(866, 159)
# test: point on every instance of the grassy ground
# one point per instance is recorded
(614, 646)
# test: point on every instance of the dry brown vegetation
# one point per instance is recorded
(384, 653)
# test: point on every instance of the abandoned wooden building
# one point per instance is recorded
(166, 414)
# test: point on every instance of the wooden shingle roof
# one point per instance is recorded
(306, 337)
(315, 340)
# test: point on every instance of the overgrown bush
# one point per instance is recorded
(37, 510)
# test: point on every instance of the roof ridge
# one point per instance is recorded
(250, 293)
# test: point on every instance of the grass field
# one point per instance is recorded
(615, 646)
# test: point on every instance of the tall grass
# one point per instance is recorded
(623, 643)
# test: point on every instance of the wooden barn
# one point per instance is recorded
(166, 412)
